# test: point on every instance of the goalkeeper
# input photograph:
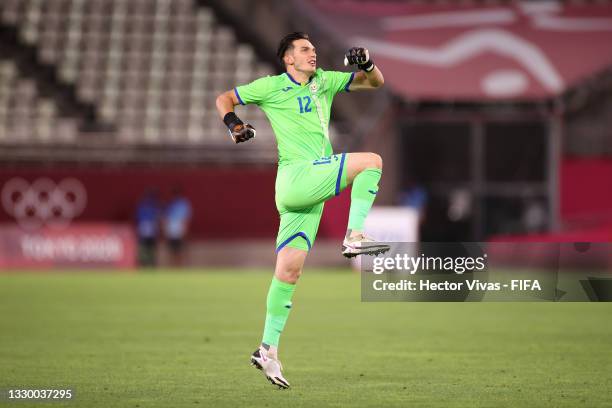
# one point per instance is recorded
(298, 106)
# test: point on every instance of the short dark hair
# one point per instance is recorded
(287, 43)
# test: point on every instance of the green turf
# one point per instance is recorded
(183, 340)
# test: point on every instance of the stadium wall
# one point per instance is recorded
(228, 202)
(586, 188)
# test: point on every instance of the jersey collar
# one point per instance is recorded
(296, 82)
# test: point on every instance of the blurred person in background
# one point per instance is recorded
(148, 214)
(415, 196)
(177, 216)
(535, 216)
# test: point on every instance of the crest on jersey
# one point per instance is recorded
(314, 87)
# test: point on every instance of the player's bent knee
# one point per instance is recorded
(289, 274)
(376, 160)
(372, 161)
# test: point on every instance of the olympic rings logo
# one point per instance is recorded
(44, 202)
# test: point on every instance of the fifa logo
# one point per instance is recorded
(43, 202)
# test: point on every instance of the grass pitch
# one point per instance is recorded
(176, 339)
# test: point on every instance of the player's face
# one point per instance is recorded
(304, 56)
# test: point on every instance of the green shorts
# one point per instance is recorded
(301, 190)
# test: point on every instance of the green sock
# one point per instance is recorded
(365, 187)
(279, 306)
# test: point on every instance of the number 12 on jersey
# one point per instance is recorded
(304, 104)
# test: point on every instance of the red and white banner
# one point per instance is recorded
(76, 246)
(520, 50)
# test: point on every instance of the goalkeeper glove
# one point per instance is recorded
(360, 57)
(239, 131)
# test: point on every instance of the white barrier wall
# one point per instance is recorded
(391, 224)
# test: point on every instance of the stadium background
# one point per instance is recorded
(494, 124)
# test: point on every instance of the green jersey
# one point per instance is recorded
(299, 114)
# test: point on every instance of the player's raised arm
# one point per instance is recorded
(239, 131)
(369, 76)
